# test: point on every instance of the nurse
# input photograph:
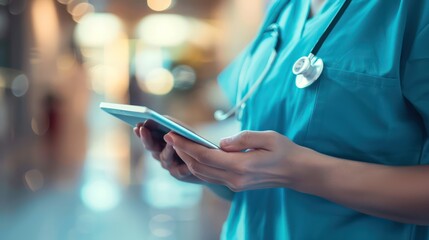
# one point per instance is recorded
(346, 157)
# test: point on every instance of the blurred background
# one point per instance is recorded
(69, 170)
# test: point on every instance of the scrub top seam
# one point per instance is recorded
(360, 73)
(306, 19)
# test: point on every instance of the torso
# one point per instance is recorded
(356, 110)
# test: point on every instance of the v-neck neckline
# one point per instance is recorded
(321, 9)
(318, 13)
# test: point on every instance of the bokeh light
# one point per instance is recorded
(98, 75)
(39, 127)
(100, 195)
(34, 179)
(160, 5)
(162, 225)
(98, 29)
(158, 81)
(147, 59)
(80, 10)
(20, 85)
(184, 77)
(164, 30)
(44, 18)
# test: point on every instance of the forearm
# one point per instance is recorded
(396, 193)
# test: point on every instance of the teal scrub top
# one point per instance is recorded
(370, 104)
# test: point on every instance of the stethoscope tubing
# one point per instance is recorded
(329, 28)
(302, 79)
(220, 116)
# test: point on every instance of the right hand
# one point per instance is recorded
(165, 154)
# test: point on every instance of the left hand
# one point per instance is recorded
(249, 160)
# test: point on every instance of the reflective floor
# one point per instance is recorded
(60, 215)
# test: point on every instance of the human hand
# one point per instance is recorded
(164, 153)
(249, 160)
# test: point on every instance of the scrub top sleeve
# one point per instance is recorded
(228, 79)
(415, 81)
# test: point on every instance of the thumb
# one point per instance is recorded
(245, 140)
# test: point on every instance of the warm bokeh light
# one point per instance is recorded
(111, 77)
(80, 10)
(46, 26)
(98, 29)
(159, 5)
(116, 56)
(158, 81)
(97, 75)
(147, 59)
(164, 30)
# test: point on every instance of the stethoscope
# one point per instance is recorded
(307, 69)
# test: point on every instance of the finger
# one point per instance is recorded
(247, 140)
(156, 156)
(212, 157)
(148, 140)
(180, 171)
(167, 155)
(203, 171)
(137, 129)
(195, 150)
(209, 180)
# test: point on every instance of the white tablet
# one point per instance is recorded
(133, 115)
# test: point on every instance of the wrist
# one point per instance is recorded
(308, 171)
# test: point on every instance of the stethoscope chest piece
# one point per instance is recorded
(307, 70)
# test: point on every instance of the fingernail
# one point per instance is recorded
(168, 139)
